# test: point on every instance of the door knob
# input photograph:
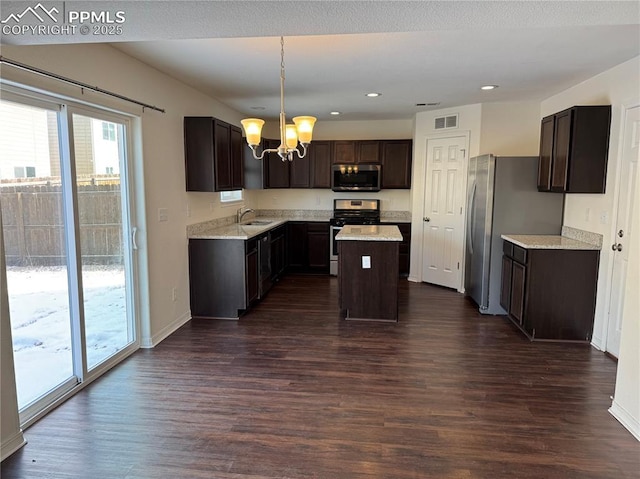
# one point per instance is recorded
(616, 247)
(426, 218)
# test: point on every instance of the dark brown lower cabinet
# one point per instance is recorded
(223, 277)
(550, 294)
(251, 266)
(278, 252)
(309, 247)
(516, 305)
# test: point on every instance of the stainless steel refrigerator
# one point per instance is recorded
(502, 198)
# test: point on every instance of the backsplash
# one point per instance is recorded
(295, 213)
(582, 235)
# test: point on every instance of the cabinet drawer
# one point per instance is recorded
(519, 254)
(507, 248)
(318, 227)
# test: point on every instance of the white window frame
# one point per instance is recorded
(231, 196)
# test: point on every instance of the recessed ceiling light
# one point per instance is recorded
(373, 94)
(488, 87)
(334, 113)
(257, 108)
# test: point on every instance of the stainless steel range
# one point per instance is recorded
(350, 212)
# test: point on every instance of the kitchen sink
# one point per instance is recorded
(257, 223)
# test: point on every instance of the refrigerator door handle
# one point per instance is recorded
(471, 211)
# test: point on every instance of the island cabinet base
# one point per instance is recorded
(368, 293)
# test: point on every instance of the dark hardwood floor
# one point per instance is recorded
(290, 391)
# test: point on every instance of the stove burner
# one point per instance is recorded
(355, 212)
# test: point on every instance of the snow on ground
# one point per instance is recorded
(41, 326)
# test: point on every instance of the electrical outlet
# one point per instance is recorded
(188, 210)
(366, 262)
(587, 214)
(174, 295)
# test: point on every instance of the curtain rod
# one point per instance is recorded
(29, 68)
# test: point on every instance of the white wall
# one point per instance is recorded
(510, 129)
(616, 87)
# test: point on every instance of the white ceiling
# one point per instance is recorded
(411, 52)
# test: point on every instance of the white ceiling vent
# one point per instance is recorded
(444, 122)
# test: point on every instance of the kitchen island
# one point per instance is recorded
(368, 272)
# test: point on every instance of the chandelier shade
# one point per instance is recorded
(252, 130)
(300, 131)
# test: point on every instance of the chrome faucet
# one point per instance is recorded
(240, 214)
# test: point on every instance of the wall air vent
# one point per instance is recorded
(445, 122)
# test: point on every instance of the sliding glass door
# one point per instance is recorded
(67, 225)
(35, 250)
(99, 146)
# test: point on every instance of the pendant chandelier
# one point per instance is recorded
(300, 131)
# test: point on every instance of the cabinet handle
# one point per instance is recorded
(616, 247)
(426, 218)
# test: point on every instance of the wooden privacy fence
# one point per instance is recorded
(33, 224)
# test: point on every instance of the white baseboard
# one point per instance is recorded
(623, 416)
(12, 444)
(165, 332)
(413, 279)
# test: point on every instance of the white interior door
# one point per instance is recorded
(443, 213)
(623, 238)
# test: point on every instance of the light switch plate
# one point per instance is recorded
(366, 262)
(163, 214)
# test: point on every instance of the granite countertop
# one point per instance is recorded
(227, 228)
(241, 231)
(369, 233)
(549, 242)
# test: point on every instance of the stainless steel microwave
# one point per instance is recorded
(355, 177)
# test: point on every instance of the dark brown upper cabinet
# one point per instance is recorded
(213, 155)
(368, 151)
(396, 163)
(344, 152)
(300, 172)
(356, 152)
(314, 171)
(320, 161)
(574, 146)
(277, 173)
